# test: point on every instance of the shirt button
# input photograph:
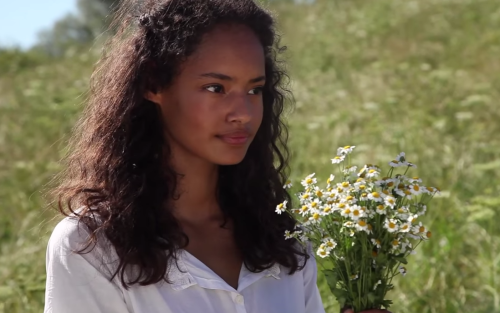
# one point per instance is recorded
(239, 299)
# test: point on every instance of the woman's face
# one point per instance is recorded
(213, 108)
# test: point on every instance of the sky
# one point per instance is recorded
(21, 20)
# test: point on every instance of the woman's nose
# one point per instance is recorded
(241, 109)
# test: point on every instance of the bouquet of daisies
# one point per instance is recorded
(363, 226)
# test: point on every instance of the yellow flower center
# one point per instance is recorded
(392, 225)
(430, 189)
(327, 209)
(416, 187)
(364, 195)
(329, 243)
(305, 196)
(280, 206)
(421, 229)
(347, 147)
(390, 184)
(375, 194)
(319, 193)
(359, 180)
(341, 205)
(322, 252)
(347, 211)
(330, 189)
(362, 187)
(407, 192)
(355, 212)
(316, 216)
(395, 242)
(416, 178)
(304, 208)
(340, 189)
(380, 207)
(345, 184)
(429, 234)
(309, 181)
(349, 198)
(405, 227)
(395, 161)
(362, 223)
(314, 204)
(385, 192)
(390, 200)
(371, 171)
(401, 186)
(337, 158)
(370, 227)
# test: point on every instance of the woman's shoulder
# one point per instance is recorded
(70, 240)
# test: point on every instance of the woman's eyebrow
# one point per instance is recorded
(229, 78)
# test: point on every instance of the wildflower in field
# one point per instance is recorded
(402, 270)
(361, 225)
(405, 227)
(349, 170)
(323, 253)
(364, 197)
(415, 189)
(356, 213)
(381, 209)
(354, 277)
(330, 244)
(391, 225)
(287, 185)
(288, 234)
(338, 159)
(375, 196)
(390, 201)
(309, 180)
(345, 150)
(346, 211)
(280, 208)
(372, 173)
(327, 209)
(330, 179)
(415, 180)
(376, 242)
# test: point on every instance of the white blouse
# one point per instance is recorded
(80, 283)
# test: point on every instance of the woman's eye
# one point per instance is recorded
(215, 88)
(256, 91)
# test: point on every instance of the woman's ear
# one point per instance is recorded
(153, 96)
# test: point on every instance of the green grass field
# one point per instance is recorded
(387, 76)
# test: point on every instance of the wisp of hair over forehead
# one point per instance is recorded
(117, 178)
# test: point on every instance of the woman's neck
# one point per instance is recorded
(197, 188)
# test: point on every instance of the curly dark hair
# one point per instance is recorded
(116, 179)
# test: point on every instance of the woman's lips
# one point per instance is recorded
(235, 138)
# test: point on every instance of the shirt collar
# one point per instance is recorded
(190, 271)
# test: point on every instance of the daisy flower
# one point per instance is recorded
(415, 189)
(304, 210)
(327, 209)
(376, 243)
(361, 225)
(330, 244)
(380, 209)
(280, 208)
(375, 196)
(338, 159)
(356, 213)
(309, 180)
(287, 185)
(330, 179)
(288, 235)
(390, 201)
(323, 253)
(364, 197)
(345, 150)
(405, 227)
(345, 212)
(415, 180)
(402, 270)
(391, 225)
(372, 173)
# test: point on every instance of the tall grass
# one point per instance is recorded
(386, 75)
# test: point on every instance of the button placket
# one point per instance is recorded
(239, 300)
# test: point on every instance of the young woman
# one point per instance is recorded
(175, 170)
